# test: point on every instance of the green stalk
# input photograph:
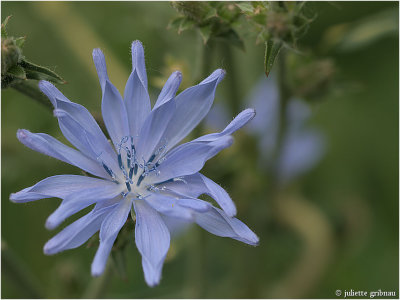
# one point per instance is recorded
(233, 91)
(284, 93)
(98, 286)
(18, 273)
(30, 88)
(197, 254)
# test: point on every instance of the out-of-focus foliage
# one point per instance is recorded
(312, 77)
(361, 33)
(336, 226)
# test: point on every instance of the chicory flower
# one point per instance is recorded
(302, 147)
(142, 170)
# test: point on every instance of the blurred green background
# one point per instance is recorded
(338, 227)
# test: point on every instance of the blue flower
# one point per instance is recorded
(143, 170)
(302, 147)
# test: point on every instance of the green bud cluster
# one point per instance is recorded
(16, 70)
(213, 20)
(281, 21)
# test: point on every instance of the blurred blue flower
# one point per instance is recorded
(144, 170)
(302, 147)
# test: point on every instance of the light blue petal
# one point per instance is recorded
(170, 88)
(220, 196)
(194, 204)
(191, 186)
(152, 133)
(300, 152)
(192, 105)
(168, 206)
(176, 226)
(77, 233)
(217, 222)
(59, 186)
(114, 114)
(198, 184)
(87, 142)
(82, 199)
(241, 119)
(137, 103)
(187, 159)
(152, 240)
(109, 230)
(52, 92)
(72, 130)
(138, 62)
(136, 96)
(86, 122)
(48, 145)
(112, 106)
(101, 68)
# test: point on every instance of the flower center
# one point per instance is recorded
(135, 169)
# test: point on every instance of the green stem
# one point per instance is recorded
(30, 89)
(18, 273)
(233, 93)
(98, 286)
(197, 264)
(205, 66)
(197, 255)
(284, 94)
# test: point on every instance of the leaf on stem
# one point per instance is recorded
(272, 49)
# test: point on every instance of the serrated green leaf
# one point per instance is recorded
(17, 71)
(245, 7)
(272, 49)
(205, 33)
(40, 73)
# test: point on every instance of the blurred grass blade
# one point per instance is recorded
(272, 49)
